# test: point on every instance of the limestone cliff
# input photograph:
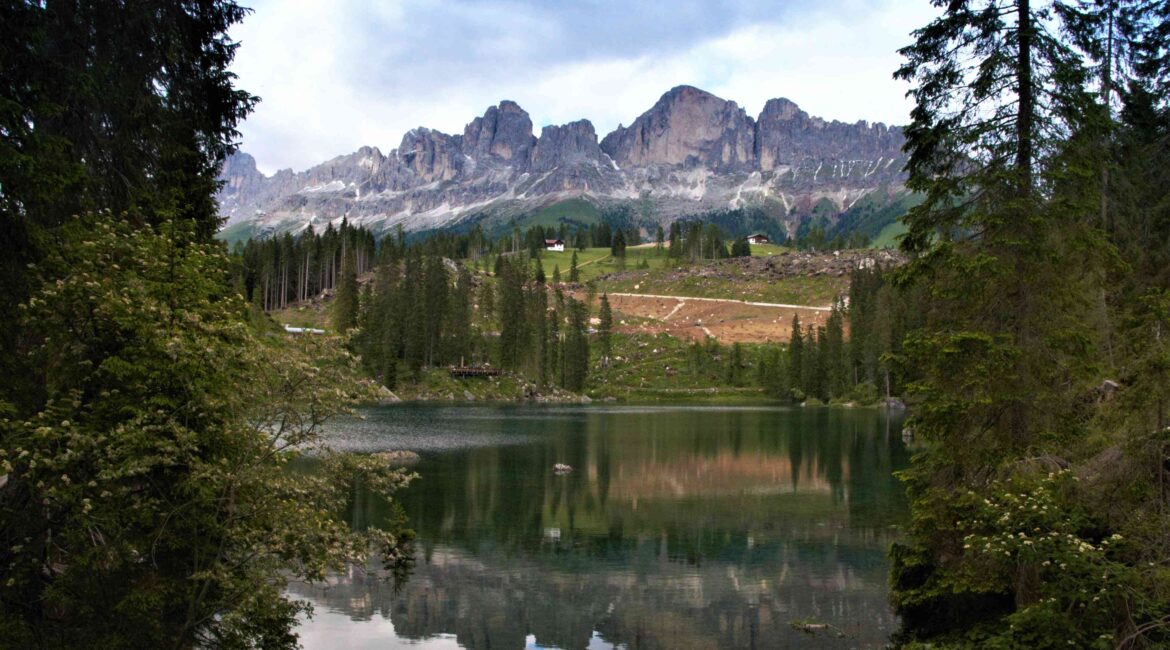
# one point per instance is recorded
(691, 152)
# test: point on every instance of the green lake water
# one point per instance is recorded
(679, 527)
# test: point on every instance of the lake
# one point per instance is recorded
(679, 527)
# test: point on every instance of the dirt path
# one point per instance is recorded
(674, 311)
(731, 300)
(596, 259)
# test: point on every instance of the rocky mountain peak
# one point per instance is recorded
(687, 126)
(566, 144)
(504, 132)
(431, 155)
(781, 109)
(786, 135)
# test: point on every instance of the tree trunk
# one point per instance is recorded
(1027, 106)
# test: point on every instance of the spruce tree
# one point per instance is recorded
(345, 301)
(796, 355)
(618, 244)
(835, 362)
(574, 275)
(576, 352)
(605, 326)
(1003, 144)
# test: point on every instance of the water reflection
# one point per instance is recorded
(679, 528)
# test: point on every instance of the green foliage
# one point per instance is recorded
(576, 347)
(280, 271)
(345, 303)
(1047, 573)
(106, 108)
(1015, 151)
(605, 326)
(146, 502)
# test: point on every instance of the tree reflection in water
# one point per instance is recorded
(681, 527)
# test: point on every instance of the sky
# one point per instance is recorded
(335, 76)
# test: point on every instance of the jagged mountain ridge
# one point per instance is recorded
(692, 152)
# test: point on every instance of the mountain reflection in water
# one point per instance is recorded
(680, 527)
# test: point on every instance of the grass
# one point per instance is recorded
(665, 277)
(315, 315)
(889, 236)
(438, 384)
(764, 250)
(587, 262)
(736, 284)
(659, 367)
(570, 211)
(240, 231)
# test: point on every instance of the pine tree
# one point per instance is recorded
(1003, 145)
(554, 345)
(835, 363)
(618, 244)
(796, 355)
(735, 365)
(436, 284)
(459, 319)
(513, 333)
(487, 304)
(576, 352)
(605, 327)
(345, 303)
(574, 275)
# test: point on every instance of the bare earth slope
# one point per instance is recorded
(742, 300)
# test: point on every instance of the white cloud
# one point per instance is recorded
(336, 76)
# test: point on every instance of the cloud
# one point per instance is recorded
(336, 76)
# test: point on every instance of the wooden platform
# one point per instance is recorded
(462, 371)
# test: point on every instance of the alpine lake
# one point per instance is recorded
(678, 527)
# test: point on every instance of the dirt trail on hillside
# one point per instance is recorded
(693, 319)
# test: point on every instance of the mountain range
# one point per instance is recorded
(691, 153)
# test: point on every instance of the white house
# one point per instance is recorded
(758, 238)
(557, 245)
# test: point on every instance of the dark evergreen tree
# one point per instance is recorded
(605, 327)
(345, 302)
(576, 352)
(618, 244)
(796, 355)
(1006, 143)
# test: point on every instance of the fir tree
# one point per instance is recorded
(796, 355)
(605, 326)
(345, 303)
(1004, 145)
(576, 352)
(618, 245)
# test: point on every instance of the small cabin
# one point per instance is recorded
(758, 238)
(557, 245)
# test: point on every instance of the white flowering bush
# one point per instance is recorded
(1067, 576)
